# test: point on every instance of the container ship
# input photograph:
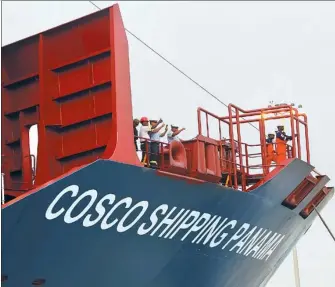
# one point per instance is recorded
(215, 211)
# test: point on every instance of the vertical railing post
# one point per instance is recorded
(220, 132)
(161, 164)
(220, 141)
(263, 143)
(297, 127)
(199, 122)
(231, 135)
(246, 158)
(307, 140)
(207, 125)
(243, 183)
(294, 154)
(148, 149)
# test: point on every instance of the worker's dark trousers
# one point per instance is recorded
(154, 149)
(145, 156)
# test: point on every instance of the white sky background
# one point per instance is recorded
(247, 53)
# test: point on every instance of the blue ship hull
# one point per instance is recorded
(111, 224)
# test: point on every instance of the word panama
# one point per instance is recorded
(191, 225)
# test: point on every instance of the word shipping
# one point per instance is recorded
(166, 222)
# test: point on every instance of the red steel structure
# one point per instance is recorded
(73, 81)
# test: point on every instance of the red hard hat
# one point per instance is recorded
(144, 119)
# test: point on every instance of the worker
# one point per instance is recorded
(271, 154)
(173, 134)
(155, 136)
(226, 153)
(226, 145)
(135, 124)
(270, 138)
(144, 138)
(281, 141)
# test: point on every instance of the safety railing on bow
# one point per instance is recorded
(240, 165)
(152, 157)
(166, 157)
(261, 116)
(249, 172)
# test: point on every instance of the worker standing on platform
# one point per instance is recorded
(228, 156)
(281, 141)
(144, 137)
(271, 154)
(155, 136)
(173, 134)
(135, 124)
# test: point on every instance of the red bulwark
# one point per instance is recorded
(73, 81)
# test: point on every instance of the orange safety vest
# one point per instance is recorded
(270, 154)
(281, 150)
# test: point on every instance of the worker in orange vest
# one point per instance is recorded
(281, 140)
(271, 154)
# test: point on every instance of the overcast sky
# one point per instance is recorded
(247, 53)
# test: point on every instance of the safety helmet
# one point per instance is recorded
(174, 126)
(144, 119)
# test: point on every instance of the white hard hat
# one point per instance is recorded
(154, 118)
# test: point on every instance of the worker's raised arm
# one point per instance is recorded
(165, 131)
(156, 130)
(177, 132)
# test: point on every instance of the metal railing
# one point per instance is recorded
(226, 163)
(149, 155)
(239, 160)
(244, 168)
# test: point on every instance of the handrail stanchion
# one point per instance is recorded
(240, 149)
(292, 134)
(207, 125)
(161, 164)
(307, 140)
(263, 144)
(232, 146)
(297, 127)
(199, 121)
(247, 158)
(148, 150)
(220, 132)
(220, 142)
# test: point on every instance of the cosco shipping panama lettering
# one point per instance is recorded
(202, 228)
(215, 210)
